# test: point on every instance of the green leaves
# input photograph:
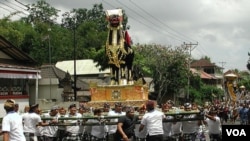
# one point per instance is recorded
(166, 65)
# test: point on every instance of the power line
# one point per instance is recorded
(201, 52)
(5, 9)
(164, 24)
(11, 12)
(3, 3)
(23, 4)
(141, 22)
(16, 5)
(154, 24)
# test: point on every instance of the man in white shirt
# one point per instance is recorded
(176, 130)
(73, 131)
(116, 112)
(12, 123)
(98, 132)
(167, 126)
(214, 126)
(50, 132)
(30, 122)
(190, 127)
(153, 121)
(61, 129)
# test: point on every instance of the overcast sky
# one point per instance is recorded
(220, 27)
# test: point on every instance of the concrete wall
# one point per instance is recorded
(47, 89)
(50, 92)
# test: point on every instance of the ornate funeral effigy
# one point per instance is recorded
(126, 86)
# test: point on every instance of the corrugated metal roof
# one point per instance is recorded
(14, 63)
(83, 67)
(14, 52)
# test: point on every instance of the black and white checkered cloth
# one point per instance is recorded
(140, 139)
(93, 138)
(72, 137)
(30, 137)
(189, 137)
(176, 137)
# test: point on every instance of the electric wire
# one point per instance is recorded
(16, 5)
(164, 24)
(200, 51)
(130, 16)
(11, 12)
(17, 10)
(27, 6)
(154, 24)
(5, 9)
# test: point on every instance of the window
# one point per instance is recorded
(12, 86)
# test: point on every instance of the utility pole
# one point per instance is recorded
(50, 66)
(75, 78)
(191, 47)
(222, 65)
(223, 83)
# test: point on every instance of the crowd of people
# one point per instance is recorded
(145, 123)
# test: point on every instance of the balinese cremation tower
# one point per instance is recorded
(126, 86)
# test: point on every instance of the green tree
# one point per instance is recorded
(53, 43)
(244, 79)
(88, 27)
(37, 38)
(12, 31)
(168, 68)
(42, 12)
(76, 17)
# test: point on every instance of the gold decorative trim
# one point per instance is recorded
(116, 94)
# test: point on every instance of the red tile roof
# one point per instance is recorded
(202, 63)
(202, 74)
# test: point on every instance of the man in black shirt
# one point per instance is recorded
(126, 126)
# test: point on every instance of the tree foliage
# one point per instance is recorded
(244, 79)
(167, 65)
(12, 30)
(42, 12)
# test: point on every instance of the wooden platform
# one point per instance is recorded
(133, 95)
(99, 104)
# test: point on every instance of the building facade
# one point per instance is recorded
(18, 76)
